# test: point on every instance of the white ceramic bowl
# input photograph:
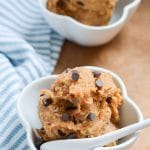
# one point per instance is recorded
(86, 35)
(28, 110)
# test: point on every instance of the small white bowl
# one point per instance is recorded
(27, 106)
(86, 35)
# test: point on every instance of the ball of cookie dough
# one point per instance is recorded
(90, 12)
(79, 104)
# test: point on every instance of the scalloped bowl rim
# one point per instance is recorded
(28, 128)
(119, 21)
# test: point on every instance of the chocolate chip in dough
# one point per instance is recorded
(61, 133)
(99, 83)
(65, 117)
(61, 4)
(80, 3)
(46, 101)
(69, 108)
(87, 136)
(96, 74)
(91, 116)
(75, 75)
(72, 136)
(74, 120)
(108, 100)
(42, 94)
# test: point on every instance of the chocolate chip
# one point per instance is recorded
(96, 74)
(69, 105)
(91, 116)
(70, 108)
(74, 120)
(47, 101)
(108, 100)
(48, 123)
(87, 136)
(99, 83)
(65, 117)
(80, 3)
(61, 4)
(75, 75)
(72, 136)
(61, 133)
(42, 94)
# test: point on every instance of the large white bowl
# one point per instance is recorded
(86, 35)
(28, 110)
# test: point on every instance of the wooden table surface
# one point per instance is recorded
(128, 55)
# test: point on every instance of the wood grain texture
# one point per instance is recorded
(128, 55)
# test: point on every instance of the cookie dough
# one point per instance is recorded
(79, 104)
(90, 12)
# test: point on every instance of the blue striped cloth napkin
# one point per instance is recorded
(29, 49)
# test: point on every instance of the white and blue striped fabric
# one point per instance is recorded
(29, 49)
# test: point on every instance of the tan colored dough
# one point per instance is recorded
(84, 98)
(90, 12)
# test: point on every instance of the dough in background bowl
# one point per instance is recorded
(90, 12)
